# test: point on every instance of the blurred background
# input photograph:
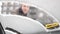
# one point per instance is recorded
(52, 6)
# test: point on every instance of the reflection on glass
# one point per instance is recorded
(40, 15)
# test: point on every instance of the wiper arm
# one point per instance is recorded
(10, 29)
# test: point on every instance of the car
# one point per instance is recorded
(17, 24)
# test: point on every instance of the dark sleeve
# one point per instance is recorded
(20, 12)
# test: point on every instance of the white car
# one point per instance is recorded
(16, 24)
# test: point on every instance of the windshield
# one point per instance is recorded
(16, 8)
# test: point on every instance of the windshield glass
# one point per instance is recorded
(16, 8)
